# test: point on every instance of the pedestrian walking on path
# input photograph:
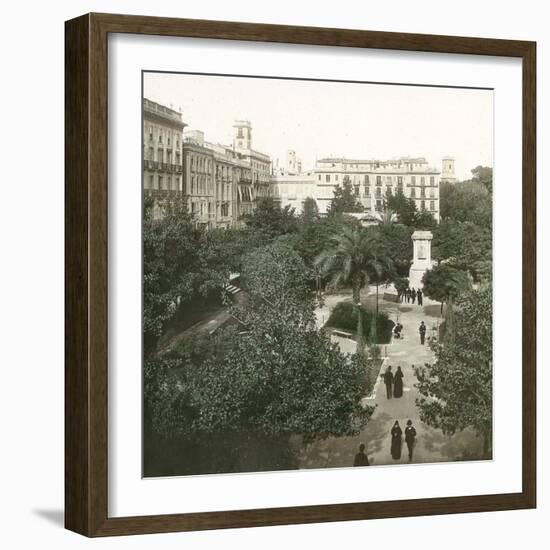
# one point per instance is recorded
(413, 294)
(408, 294)
(388, 380)
(422, 331)
(410, 438)
(419, 297)
(361, 459)
(396, 441)
(398, 383)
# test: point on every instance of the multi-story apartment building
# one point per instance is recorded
(260, 163)
(293, 189)
(221, 182)
(372, 180)
(162, 150)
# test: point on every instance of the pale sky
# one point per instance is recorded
(319, 119)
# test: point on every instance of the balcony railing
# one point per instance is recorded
(164, 166)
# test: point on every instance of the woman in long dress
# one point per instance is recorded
(396, 441)
(398, 383)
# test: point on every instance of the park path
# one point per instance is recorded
(432, 445)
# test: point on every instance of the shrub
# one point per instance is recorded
(344, 317)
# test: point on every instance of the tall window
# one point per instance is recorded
(432, 205)
(423, 205)
(413, 180)
(356, 190)
(367, 178)
(413, 192)
(161, 183)
(432, 180)
(151, 181)
(399, 180)
(327, 178)
(378, 180)
(422, 180)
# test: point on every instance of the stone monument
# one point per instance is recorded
(422, 257)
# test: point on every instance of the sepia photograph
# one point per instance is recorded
(316, 274)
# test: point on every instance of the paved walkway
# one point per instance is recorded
(432, 445)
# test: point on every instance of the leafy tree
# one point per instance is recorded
(275, 376)
(466, 246)
(310, 211)
(268, 217)
(456, 390)
(424, 220)
(170, 266)
(344, 199)
(484, 176)
(395, 240)
(467, 201)
(444, 283)
(403, 207)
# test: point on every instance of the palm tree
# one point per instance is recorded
(357, 258)
(387, 217)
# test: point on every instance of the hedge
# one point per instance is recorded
(344, 317)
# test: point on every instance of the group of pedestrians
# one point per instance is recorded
(411, 295)
(393, 382)
(361, 458)
(397, 440)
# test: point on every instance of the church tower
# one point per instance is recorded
(243, 135)
(448, 170)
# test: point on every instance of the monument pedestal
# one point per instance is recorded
(422, 257)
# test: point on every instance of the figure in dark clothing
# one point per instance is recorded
(419, 297)
(361, 459)
(408, 294)
(422, 331)
(413, 295)
(396, 441)
(410, 438)
(398, 383)
(388, 380)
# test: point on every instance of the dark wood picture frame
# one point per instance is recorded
(86, 284)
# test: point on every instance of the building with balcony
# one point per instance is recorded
(162, 150)
(372, 180)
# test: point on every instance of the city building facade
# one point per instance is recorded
(162, 150)
(372, 180)
(292, 190)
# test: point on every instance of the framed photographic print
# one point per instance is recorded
(300, 274)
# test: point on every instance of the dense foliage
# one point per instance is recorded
(271, 374)
(456, 390)
(344, 199)
(345, 316)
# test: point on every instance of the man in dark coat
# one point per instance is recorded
(388, 380)
(361, 459)
(422, 331)
(408, 294)
(410, 438)
(419, 297)
(413, 295)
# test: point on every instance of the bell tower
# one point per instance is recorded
(243, 135)
(448, 170)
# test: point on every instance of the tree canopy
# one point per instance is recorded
(276, 373)
(344, 199)
(456, 390)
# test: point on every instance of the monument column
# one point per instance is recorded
(422, 257)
